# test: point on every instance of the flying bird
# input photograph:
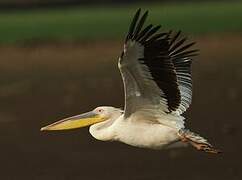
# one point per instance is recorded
(156, 72)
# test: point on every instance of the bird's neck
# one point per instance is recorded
(103, 131)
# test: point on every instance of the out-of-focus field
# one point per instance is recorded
(85, 23)
(44, 83)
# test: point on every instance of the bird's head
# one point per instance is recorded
(97, 115)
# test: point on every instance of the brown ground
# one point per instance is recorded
(44, 83)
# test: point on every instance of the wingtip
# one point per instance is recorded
(146, 13)
(138, 12)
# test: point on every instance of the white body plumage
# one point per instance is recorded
(137, 130)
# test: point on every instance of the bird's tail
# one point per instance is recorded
(197, 141)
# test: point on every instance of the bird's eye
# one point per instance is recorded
(100, 110)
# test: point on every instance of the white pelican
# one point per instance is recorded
(156, 72)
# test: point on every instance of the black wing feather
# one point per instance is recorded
(149, 33)
(143, 32)
(133, 24)
(167, 60)
(140, 25)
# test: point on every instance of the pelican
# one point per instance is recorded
(156, 72)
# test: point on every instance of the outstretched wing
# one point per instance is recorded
(156, 69)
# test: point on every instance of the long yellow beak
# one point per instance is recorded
(73, 122)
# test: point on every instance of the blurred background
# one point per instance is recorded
(59, 58)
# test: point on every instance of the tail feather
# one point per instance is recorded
(197, 141)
